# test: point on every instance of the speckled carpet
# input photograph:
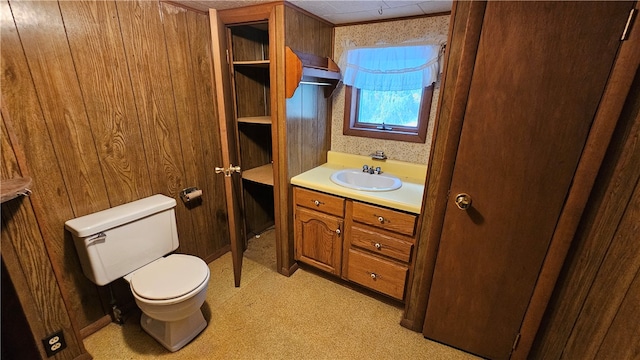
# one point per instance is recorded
(271, 316)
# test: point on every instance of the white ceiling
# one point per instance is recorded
(341, 12)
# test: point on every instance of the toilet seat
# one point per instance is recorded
(169, 278)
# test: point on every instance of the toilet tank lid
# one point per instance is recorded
(119, 215)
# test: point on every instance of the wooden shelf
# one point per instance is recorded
(12, 188)
(255, 120)
(262, 174)
(309, 69)
(253, 63)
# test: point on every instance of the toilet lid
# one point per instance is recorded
(174, 276)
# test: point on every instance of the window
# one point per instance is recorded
(389, 90)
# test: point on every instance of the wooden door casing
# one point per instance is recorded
(517, 171)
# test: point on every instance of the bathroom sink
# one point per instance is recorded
(359, 180)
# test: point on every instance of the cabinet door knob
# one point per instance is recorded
(338, 231)
(374, 276)
(378, 246)
(381, 219)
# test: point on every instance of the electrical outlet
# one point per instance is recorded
(54, 343)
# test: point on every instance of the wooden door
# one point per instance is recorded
(540, 70)
(229, 139)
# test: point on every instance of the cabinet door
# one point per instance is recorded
(228, 140)
(537, 81)
(318, 240)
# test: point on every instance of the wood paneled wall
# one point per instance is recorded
(307, 113)
(110, 102)
(595, 309)
(32, 303)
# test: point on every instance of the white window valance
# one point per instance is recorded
(391, 68)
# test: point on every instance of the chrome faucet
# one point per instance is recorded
(371, 169)
(378, 155)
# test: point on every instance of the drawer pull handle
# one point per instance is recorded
(378, 246)
(381, 219)
(374, 276)
(317, 202)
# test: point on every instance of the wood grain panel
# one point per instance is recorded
(313, 124)
(617, 345)
(50, 198)
(182, 80)
(609, 288)
(61, 101)
(252, 91)
(147, 59)
(148, 62)
(258, 207)
(250, 42)
(294, 131)
(28, 265)
(19, 232)
(96, 45)
(607, 205)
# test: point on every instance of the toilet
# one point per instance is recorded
(130, 241)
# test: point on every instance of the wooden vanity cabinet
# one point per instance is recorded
(362, 243)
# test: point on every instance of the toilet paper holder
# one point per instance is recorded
(190, 194)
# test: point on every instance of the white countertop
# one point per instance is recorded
(407, 198)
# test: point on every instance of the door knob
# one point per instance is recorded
(463, 201)
(227, 172)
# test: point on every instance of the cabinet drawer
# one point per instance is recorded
(387, 219)
(319, 201)
(377, 274)
(378, 243)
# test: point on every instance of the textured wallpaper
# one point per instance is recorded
(429, 29)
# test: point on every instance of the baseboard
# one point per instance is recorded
(95, 326)
(218, 253)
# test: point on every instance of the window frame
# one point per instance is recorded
(352, 127)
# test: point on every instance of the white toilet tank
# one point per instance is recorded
(114, 242)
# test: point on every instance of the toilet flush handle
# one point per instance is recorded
(100, 237)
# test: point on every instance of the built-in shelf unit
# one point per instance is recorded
(251, 86)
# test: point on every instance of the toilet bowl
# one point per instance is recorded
(170, 292)
(130, 241)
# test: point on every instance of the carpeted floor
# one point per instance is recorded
(270, 316)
